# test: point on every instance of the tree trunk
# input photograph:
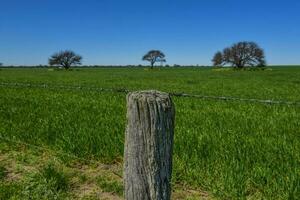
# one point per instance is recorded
(66, 67)
(148, 146)
(152, 64)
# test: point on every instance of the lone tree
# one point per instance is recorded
(65, 58)
(241, 55)
(154, 56)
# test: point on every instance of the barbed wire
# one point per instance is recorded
(237, 99)
(65, 87)
(125, 91)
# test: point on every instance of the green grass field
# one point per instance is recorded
(226, 149)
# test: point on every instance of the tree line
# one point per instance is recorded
(69, 58)
(239, 55)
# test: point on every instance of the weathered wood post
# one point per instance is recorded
(148, 146)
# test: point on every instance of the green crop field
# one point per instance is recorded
(222, 149)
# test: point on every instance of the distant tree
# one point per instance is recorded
(154, 56)
(1, 64)
(218, 59)
(240, 55)
(65, 58)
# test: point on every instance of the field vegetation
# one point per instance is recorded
(222, 150)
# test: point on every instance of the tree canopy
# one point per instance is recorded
(154, 56)
(65, 58)
(240, 55)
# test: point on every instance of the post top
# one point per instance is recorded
(149, 95)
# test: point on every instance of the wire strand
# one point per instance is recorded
(125, 91)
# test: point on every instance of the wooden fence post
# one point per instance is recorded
(148, 146)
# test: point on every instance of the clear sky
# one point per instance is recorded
(121, 31)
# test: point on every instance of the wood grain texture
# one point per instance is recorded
(148, 146)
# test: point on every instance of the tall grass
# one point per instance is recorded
(3, 172)
(231, 149)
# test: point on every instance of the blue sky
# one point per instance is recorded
(121, 31)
